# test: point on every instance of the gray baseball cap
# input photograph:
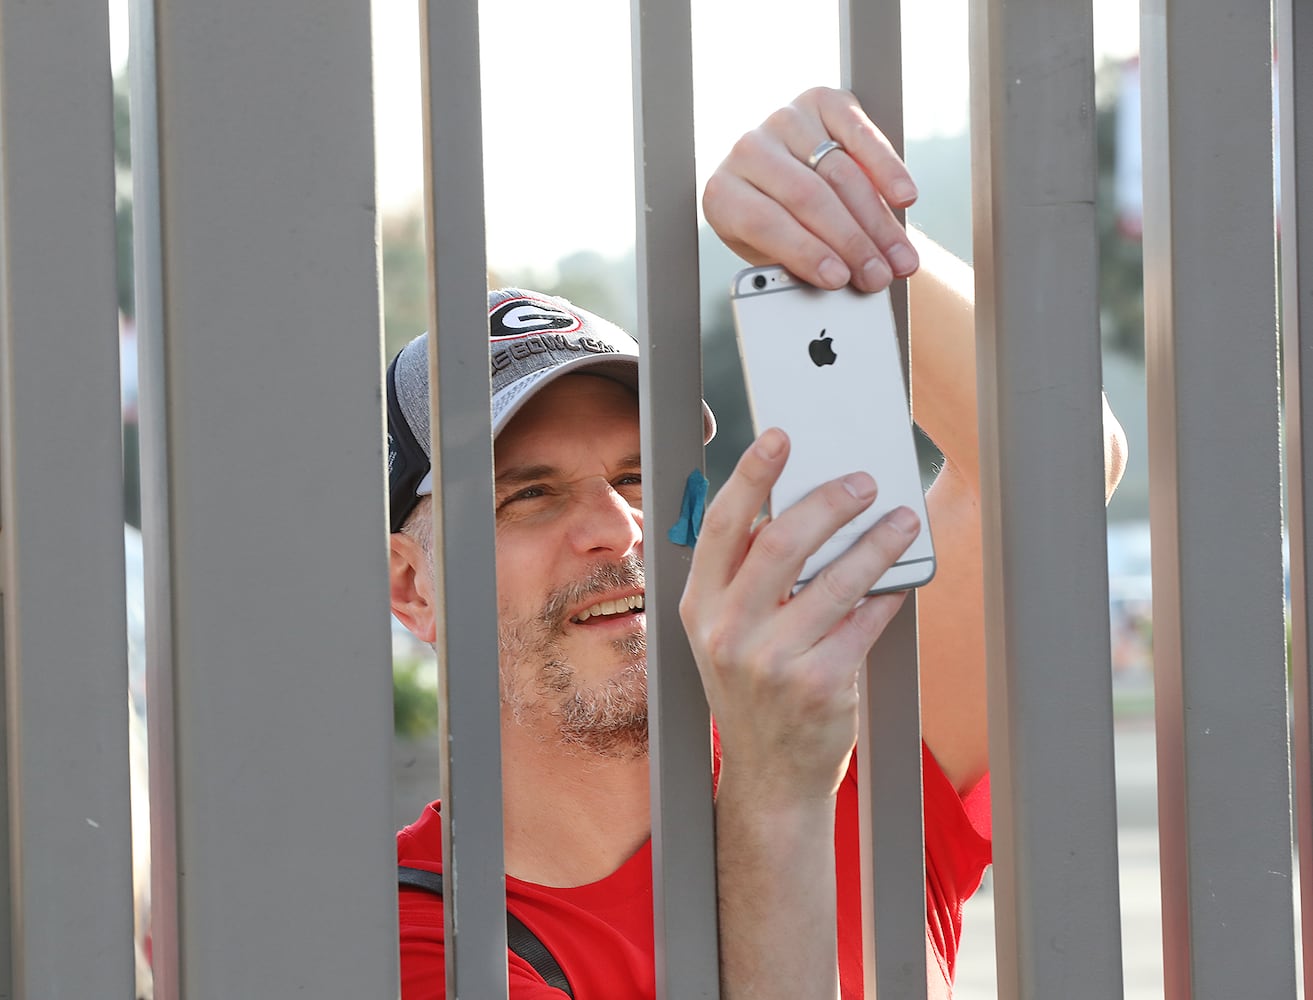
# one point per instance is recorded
(533, 339)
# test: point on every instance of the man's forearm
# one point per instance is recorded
(776, 884)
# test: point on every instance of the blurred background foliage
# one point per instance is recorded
(414, 700)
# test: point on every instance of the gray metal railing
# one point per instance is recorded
(1219, 659)
(265, 521)
(1046, 586)
(1294, 25)
(475, 905)
(258, 319)
(66, 830)
(889, 731)
(683, 846)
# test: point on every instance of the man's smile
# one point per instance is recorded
(622, 607)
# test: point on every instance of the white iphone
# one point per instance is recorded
(824, 366)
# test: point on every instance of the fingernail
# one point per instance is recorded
(833, 273)
(904, 519)
(876, 275)
(903, 192)
(860, 485)
(902, 258)
(770, 444)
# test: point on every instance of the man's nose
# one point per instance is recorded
(604, 521)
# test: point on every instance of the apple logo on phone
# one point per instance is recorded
(821, 351)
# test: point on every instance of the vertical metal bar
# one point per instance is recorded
(153, 410)
(267, 328)
(1223, 765)
(68, 906)
(1046, 580)
(1295, 132)
(474, 869)
(891, 814)
(670, 411)
(889, 743)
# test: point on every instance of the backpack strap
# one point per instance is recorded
(519, 938)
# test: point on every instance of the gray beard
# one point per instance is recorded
(538, 684)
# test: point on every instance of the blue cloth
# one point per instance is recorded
(686, 529)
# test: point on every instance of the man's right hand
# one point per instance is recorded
(780, 671)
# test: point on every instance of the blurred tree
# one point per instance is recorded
(1121, 257)
(405, 280)
(123, 195)
(414, 699)
(126, 296)
(592, 281)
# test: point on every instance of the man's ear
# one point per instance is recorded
(411, 578)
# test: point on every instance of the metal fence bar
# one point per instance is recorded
(67, 913)
(473, 865)
(1046, 586)
(1223, 767)
(1295, 131)
(670, 412)
(889, 744)
(268, 333)
(152, 409)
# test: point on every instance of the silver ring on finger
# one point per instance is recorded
(822, 150)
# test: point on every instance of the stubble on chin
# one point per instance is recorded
(541, 689)
(608, 719)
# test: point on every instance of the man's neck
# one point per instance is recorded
(571, 817)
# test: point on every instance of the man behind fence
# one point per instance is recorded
(780, 674)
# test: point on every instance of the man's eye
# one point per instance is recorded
(528, 493)
(630, 486)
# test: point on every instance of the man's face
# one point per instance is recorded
(569, 567)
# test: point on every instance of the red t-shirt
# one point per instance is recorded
(601, 933)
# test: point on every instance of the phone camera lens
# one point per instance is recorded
(759, 282)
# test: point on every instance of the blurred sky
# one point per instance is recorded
(558, 153)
